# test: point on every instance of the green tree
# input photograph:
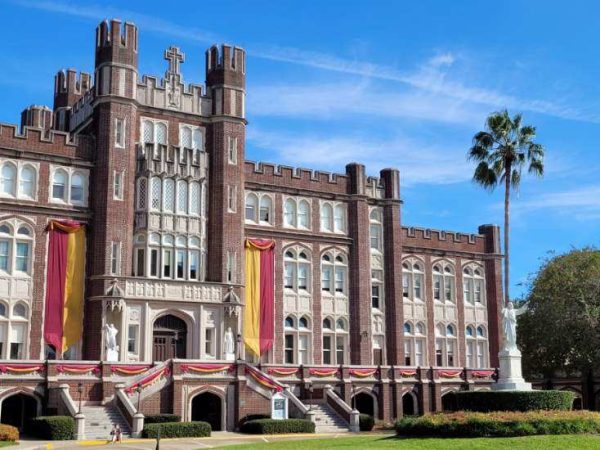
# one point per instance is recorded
(501, 152)
(561, 329)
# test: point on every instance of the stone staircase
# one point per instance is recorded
(99, 421)
(327, 420)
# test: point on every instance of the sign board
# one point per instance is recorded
(279, 406)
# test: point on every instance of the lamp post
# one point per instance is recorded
(80, 392)
(139, 399)
(239, 346)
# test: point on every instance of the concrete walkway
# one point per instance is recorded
(218, 439)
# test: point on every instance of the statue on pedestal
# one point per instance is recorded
(229, 345)
(509, 325)
(112, 349)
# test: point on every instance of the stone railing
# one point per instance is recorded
(74, 411)
(341, 407)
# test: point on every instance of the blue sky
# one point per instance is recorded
(404, 84)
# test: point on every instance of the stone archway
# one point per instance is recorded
(365, 404)
(17, 409)
(169, 338)
(409, 404)
(449, 402)
(208, 407)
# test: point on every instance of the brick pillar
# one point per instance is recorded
(385, 401)
(359, 267)
(460, 306)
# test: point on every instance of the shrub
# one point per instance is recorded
(8, 433)
(249, 417)
(486, 401)
(272, 426)
(53, 428)
(162, 418)
(176, 429)
(365, 422)
(500, 424)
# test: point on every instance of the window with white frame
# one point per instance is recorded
(115, 258)
(334, 270)
(9, 179)
(476, 346)
(335, 340)
(169, 195)
(118, 187)
(16, 248)
(296, 213)
(154, 135)
(68, 186)
(413, 280)
(133, 332)
(190, 137)
(297, 340)
(446, 349)
(415, 344)
(376, 230)
(231, 267)
(377, 300)
(120, 132)
(443, 282)
(473, 284)
(14, 330)
(259, 208)
(333, 217)
(296, 263)
(231, 198)
(232, 149)
(27, 182)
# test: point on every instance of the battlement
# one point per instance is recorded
(37, 116)
(50, 142)
(69, 81)
(225, 57)
(153, 91)
(445, 240)
(116, 33)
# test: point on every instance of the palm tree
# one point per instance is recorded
(501, 152)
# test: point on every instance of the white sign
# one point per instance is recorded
(279, 407)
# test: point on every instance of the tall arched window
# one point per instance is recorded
(297, 340)
(16, 249)
(335, 340)
(59, 185)
(476, 346)
(27, 182)
(156, 186)
(412, 280)
(376, 230)
(169, 195)
(182, 197)
(185, 137)
(77, 188)
(252, 207)
(339, 218)
(296, 270)
(142, 192)
(9, 179)
(414, 344)
(326, 217)
(197, 139)
(266, 209)
(289, 213)
(161, 133)
(194, 198)
(443, 282)
(303, 214)
(334, 270)
(473, 285)
(148, 131)
(14, 330)
(446, 353)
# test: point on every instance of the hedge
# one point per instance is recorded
(249, 417)
(486, 401)
(9, 433)
(176, 429)
(272, 426)
(366, 422)
(53, 428)
(500, 424)
(162, 418)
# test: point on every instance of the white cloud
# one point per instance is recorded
(418, 163)
(581, 203)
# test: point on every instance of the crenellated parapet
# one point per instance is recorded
(427, 238)
(50, 142)
(157, 93)
(37, 116)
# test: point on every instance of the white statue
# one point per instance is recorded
(509, 325)
(112, 349)
(229, 345)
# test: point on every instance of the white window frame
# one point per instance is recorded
(118, 185)
(122, 123)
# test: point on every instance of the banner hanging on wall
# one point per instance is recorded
(63, 323)
(259, 313)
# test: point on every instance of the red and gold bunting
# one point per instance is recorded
(408, 373)
(149, 380)
(263, 380)
(129, 370)
(21, 368)
(282, 371)
(449, 373)
(323, 372)
(482, 373)
(362, 373)
(78, 368)
(206, 368)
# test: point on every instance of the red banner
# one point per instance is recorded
(323, 372)
(362, 373)
(77, 368)
(482, 373)
(55, 288)
(206, 368)
(129, 370)
(21, 368)
(449, 373)
(282, 370)
(147, 381)
(408, 373)
(263, 380)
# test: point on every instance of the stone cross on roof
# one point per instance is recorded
(175, 58)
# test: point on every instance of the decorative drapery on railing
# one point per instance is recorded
(282, 371)
(129, 370)
(206, 368)
(323, 372)
(261, 379)
(450, 373)
(22, 368)
(482, 373)
(149, 380)
(63, 321)
(362, 373)
(407, 372)
(79, 369)
(259, 313)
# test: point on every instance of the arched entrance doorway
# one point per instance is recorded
(18, 409)
(364, 403)
(408, 405)
(208, 407)
(170, 338)
(449, 402)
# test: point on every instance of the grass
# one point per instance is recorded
(369, 442)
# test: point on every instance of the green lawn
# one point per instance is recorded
(368, 442)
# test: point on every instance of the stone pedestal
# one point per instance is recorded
(510, 377)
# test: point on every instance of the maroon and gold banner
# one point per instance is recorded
(21, 368)
(283, 371)
(263, 380)
(259, 320)
(482, 373)
(362, 373)
(63, 323)
(408, 373)
(449, 373)
(323, 372)
(147, 381)
(78, 368)
(206, 368)
(129, 370)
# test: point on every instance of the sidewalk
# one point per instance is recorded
(218, 439)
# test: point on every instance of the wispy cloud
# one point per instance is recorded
(430, 77)
(582, 203)
(429, 164)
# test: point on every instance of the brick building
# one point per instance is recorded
(369, 314)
